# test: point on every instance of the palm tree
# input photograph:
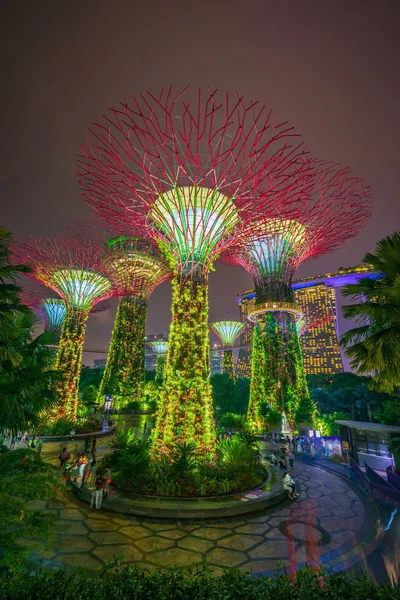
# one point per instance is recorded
(29, 387)
(10, 304)
(373, 347)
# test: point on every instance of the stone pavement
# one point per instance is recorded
(332, 523)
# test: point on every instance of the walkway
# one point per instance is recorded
(332, 523)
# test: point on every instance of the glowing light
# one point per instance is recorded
(55, 312)
(227, 331)
(193, 220)
(159, 347)
(81, 288)
(277, 242)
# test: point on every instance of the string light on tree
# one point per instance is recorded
(188, 170)
(76, 273)
(228, 332)
(329, 209)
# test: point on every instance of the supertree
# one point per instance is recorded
(160, 348)
(189, 170)
(332, 210)
(76, 273)
(136, 267)
(228, 332)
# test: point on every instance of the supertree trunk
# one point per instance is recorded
(278, 376)
(125, 368)
(160, 365)
(185, 412)
(69, 360)
(227, 364)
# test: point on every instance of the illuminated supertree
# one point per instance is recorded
(228, 332)
(76, 274)
(188, 170)
(330, 212)
(160, 348)
(136, 267)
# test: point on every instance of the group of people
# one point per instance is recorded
(82, 470)
(287, 456)
(23, 438)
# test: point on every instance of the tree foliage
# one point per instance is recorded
(373, 346)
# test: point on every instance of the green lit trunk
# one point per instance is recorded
(185, 409)
(124, 375)
(227, 364)
(69, 360)
(278, 376)
(160, 364)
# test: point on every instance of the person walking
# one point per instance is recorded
(63, 459)
(291, 460)
(107, 480)
(97, 494)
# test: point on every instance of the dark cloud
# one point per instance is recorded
(329, 68)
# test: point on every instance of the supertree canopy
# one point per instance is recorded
(51, 309)
(76, 273)
(332, 210)
(228, 332)
(189, 170)
(160, 348)
(136, 267)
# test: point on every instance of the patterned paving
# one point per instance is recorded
(331, 523)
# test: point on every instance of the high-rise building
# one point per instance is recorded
(216, 356)
(150, 356)
(315, 296)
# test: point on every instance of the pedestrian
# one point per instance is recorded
(39, 446)
(81, 468)
(97, 494)
(107, 480)
(288, 484)
(72, 434)
(291, 460)
(63, 459)
(312, 450)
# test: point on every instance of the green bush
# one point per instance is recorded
(24, 476)
(173, 584)
(63, 426)
(236, 469)
(232, 420)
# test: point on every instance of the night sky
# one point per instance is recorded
(330, 68)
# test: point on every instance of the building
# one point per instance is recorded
(368, 443)
(216, 357)
(315, 296)
(150, 356)
(99, 362)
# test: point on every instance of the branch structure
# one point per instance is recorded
(76, 273)
(189, 170)
(332, 208)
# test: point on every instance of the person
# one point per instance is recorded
(107, 480)
(312, 450)
(288, 484)
(272, 459)
(329, 448)
(81, 468)
(72, 434)
(291, 460)
(282, 462)
(97, 495)
(39, 446)
(12, 445)
(63, 459)
(91, 469)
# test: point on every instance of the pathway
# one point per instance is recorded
(332, 523)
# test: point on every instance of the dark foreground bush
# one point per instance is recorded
(172, 584)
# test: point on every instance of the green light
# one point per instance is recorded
(193, 220)
(159, 347)
(81, 288)
(55, 310)
(227, 331)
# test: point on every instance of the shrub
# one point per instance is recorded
(232, 420)
(174, 584)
